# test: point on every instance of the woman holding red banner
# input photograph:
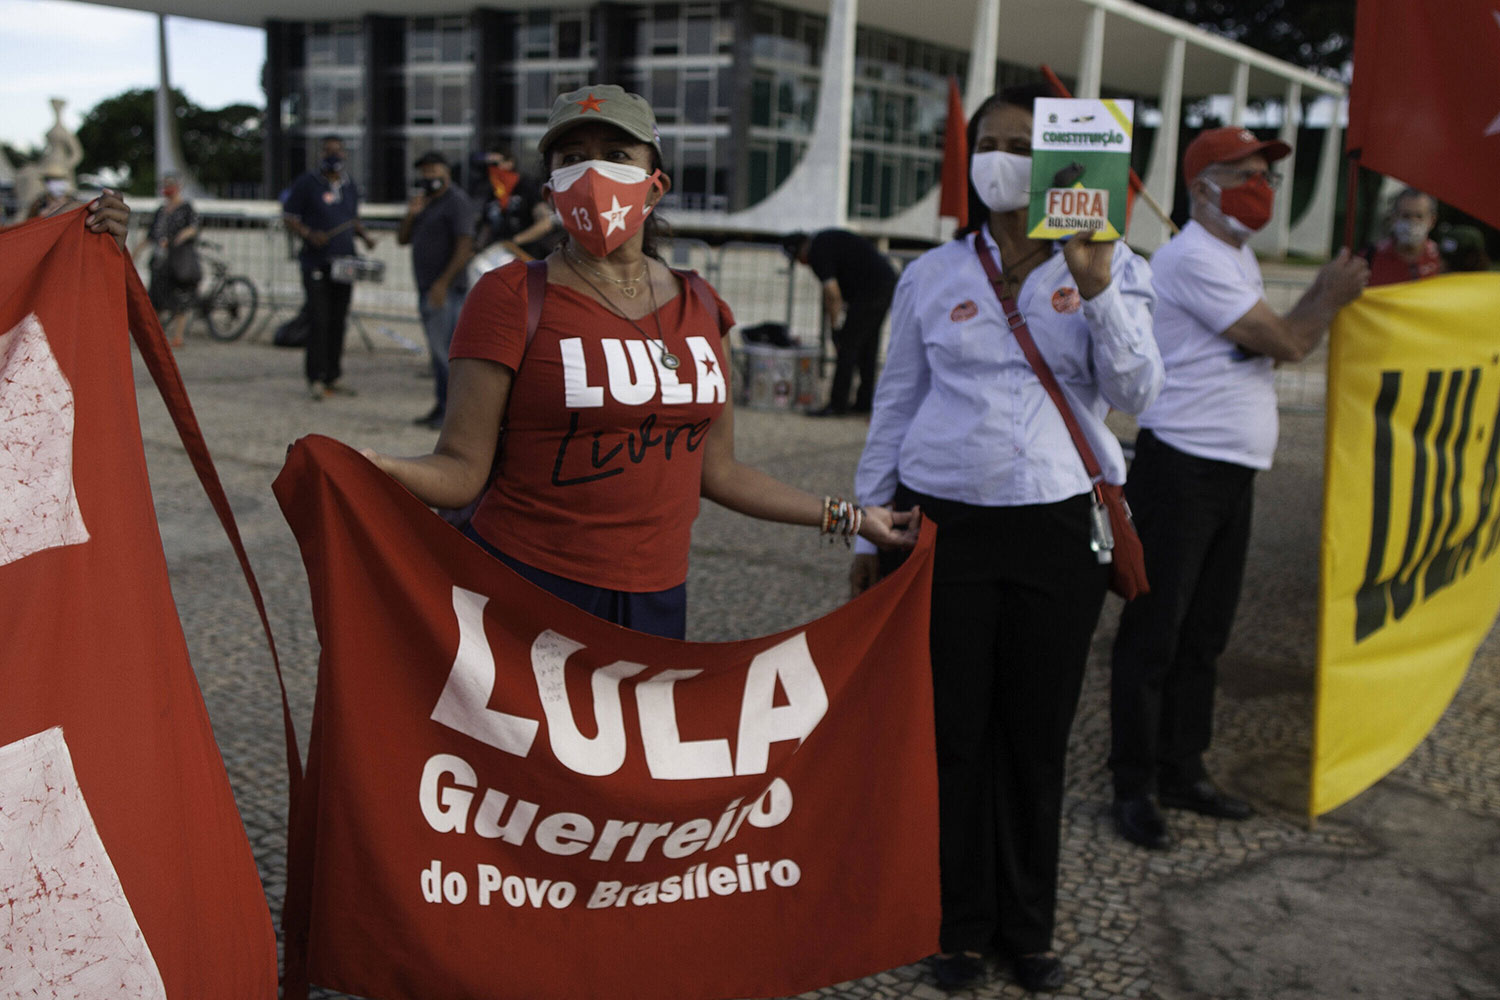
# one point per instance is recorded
(614, 395)
(964, 426)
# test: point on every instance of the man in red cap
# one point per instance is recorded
(1191, 483)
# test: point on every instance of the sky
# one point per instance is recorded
(86, 52)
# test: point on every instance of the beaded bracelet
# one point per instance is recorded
(841, 519)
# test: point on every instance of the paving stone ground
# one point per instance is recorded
(1391, 897)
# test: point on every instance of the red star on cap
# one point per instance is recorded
(591, 103)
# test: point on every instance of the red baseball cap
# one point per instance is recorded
(1225, 145)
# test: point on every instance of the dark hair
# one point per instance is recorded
(1021, 95)
(1411, 192)
(330, 137)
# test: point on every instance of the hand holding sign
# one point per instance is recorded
(1080, 171)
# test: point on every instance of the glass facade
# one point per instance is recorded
(900, 110)
(786, 49)
(734, 85)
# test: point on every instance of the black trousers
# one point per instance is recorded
(1016, 595)
(856, 344)
(327, 316)
(1193, 515)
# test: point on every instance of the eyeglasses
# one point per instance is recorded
(1272, 179)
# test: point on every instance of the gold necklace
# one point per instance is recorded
(626, 285)
(669, 360)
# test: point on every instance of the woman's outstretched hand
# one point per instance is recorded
(892, 529)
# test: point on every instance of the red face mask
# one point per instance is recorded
(169, 190)
(602, 204)
(1250, 202)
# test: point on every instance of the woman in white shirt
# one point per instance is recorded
(963, 429)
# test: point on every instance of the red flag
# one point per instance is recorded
(509, 798)
(1424, 105)
(953, 199)
(122, 857)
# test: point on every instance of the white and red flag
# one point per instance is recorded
(1424, 105)
(509, 798)
(124, 869)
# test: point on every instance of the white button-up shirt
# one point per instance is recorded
(958, 412)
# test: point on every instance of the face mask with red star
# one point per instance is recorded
(602, 204)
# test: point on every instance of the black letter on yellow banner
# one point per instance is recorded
(1380, 600)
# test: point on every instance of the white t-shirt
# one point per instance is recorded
(1218, 402)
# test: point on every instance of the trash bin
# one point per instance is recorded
(775, 378)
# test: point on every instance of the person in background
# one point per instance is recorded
(323, 209)
(616, 407)
(56, 196)
(1406, 253)
(857, 286)
(965, 429)
(439, 227)
(513, 210)
(1191, 485)
(1462, 248)
(175, 268)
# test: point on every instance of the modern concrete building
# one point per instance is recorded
(774, 115)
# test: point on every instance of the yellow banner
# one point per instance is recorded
(1411, 521)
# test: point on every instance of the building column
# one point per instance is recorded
(1091, 56)
(983, 54)
(1147, 230)
(1276, 237)
(273, 151)
(816, 194)
(169, 158)
(1239, 92)
(980, 84)
(1313, 232)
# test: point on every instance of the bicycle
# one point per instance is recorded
(228, 307)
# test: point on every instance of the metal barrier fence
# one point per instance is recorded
(756, 279)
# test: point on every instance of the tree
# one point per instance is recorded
(222, 147)
(1316, 34)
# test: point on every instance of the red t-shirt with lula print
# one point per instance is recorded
(603, 456)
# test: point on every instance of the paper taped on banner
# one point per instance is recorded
(38, 508)
(70, 933)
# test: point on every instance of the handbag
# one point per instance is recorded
(183, 265)
(1115, 538)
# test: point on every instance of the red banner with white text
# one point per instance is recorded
(509, 798)
(124, 868)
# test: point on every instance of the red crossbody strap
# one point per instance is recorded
(1034, 357)
(536, 294)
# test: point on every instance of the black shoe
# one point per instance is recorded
(1040, 973)
(1140, 822)
(826, 411)
(957, 971)
(1203, 797)
(433, 419)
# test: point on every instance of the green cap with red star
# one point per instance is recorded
(608, 103)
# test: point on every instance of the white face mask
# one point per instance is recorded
(56, 188)
(1241, 231)
(1002, 179)
(1409, 233)
(626, 173)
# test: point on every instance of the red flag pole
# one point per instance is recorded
(953, 196)
(1351, 199)
(1137, 186)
